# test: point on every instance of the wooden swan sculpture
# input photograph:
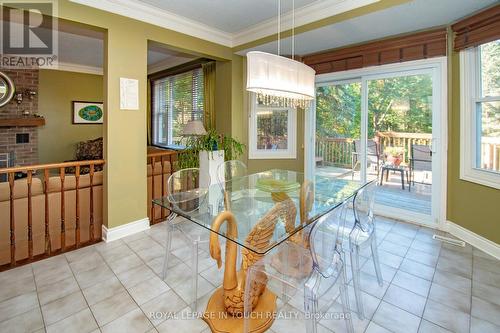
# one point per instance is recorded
(260, 237)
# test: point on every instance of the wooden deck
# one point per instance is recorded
(417, 200)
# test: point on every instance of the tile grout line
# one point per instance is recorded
(37, 297)
(389, 284)
(81, 290)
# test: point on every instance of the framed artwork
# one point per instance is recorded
(87, 112)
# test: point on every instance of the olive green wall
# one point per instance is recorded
(125, 131)
(472, 206)
(57, 89)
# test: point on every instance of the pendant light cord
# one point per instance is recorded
(279, 25)
(293, 29)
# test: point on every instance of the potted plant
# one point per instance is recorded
(208, 150)
(394, 155)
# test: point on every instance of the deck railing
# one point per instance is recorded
(338, 151)
(490, 154)
(46, 189)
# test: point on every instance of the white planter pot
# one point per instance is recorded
(209, 164)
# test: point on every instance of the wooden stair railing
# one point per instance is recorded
(156, 155)
(45, 168)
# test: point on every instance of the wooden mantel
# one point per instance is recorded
(22, 122)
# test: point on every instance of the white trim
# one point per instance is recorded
(162, 18)
(469, 83)
(109, 235)
(143, 12)
(437, 67)
(69, 67)
(474, 239)
(261, 154)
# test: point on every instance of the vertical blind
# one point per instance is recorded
(177, 99)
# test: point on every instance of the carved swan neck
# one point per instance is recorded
(230, 277)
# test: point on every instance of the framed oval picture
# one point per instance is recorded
(87, 112)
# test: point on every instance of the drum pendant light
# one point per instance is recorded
(278, 80)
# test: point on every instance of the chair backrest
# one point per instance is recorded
(229, 170)
(184, 190)
(325, 243)
(421, 157)
(363, 204)
(371, 146)
(372, 151)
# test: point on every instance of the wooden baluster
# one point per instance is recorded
(91, 223)
(77, 217)
(30, 215)
(48, 249)
(12, 222)
(162, 185)
(153, 160)
(63, 225)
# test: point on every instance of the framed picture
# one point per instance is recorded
(87, 112)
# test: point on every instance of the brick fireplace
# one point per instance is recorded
(19, 140)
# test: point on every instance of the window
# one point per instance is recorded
(177, 99)
(272, 132)
(480, 114)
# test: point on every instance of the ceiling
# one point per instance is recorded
(230, 16)
(226, 22)
(82, 50)
(408, 17)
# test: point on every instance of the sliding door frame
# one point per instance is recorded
(437, 68)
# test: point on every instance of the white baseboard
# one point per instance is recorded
(474, 239)
(112, 234)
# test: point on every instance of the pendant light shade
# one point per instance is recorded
(276, 76)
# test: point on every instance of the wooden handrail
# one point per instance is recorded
(51, 166)
(29, 171)
(154, 156)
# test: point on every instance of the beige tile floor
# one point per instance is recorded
(115, 287)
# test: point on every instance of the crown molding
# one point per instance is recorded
(162, 18)
(70, 67)
(307, 14)
(313, 12)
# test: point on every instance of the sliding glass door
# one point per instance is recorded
(384, 124)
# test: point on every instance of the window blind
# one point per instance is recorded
(481, 28)
(177, 99)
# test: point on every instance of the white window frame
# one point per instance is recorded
(256, 154)
(470, 95)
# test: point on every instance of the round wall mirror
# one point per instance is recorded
(7, 89)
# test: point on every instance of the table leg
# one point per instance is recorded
(402, 180)
(382, 177)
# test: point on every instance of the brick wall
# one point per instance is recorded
(24, 153)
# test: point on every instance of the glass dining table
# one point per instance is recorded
(257, 212)
(251, 197)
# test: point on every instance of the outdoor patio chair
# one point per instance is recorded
(372, 155)
(421, 160)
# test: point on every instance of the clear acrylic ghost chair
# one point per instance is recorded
(311, 279)
(186, 194)
(361, 236)
(228, 174)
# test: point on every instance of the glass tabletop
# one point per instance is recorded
(253, 199)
